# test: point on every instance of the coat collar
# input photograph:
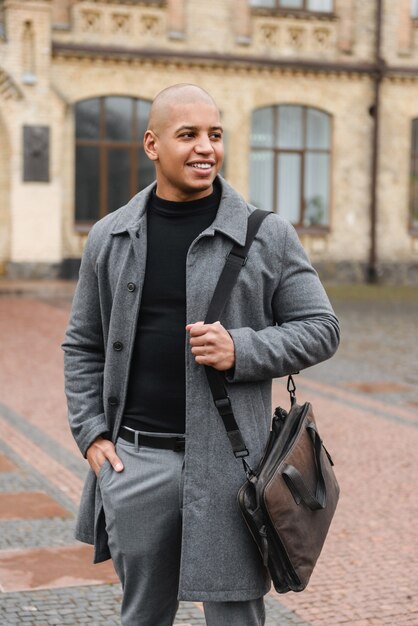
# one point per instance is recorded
(231, 218)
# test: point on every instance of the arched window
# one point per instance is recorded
(290, 163)
(414, 176)
(110, 164)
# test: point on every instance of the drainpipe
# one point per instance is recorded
(378, 75)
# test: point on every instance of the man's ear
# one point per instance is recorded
(150, 147)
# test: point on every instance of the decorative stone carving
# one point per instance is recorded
(121, 24)
(322, 38)
(269, 35)
(150, 24)
(91, 21)
(117, 22)
(296, 37)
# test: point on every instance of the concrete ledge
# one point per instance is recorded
(352, 272)
(43, 288)
(347, 272)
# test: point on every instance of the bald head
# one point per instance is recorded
(167, 99)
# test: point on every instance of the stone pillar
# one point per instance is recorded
(241, 20)
(35, 203)
(176, 19)
(4, 194)
(61, 14)
(28, 28)
(346, 13)
(405, 27)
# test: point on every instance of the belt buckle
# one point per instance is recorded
(179, 444)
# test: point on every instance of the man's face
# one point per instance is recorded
(188, 151)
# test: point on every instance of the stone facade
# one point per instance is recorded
(54, 53)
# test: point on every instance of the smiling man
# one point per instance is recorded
(160, 496)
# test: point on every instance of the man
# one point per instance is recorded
(160, 497)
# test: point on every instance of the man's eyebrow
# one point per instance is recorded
(196, 128)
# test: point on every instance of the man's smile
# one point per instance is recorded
(202, 165)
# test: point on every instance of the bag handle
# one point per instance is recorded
(296, 484)
(235, 260)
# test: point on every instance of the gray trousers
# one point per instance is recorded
(143, 510)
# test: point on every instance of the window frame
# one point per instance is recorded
(413, 165)
(304, 11)
(104, 145)
(302, 152)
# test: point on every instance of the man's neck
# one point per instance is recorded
(174, 195)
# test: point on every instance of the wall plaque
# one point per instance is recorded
(36, 154)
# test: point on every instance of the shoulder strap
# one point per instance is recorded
(236, 259)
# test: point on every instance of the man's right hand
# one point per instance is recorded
(100, 450)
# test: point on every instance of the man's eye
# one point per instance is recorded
(216, 135)
(186, 135)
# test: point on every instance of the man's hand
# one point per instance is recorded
(100, 450)
(212, 345)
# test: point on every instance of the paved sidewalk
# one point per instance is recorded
(368, 571)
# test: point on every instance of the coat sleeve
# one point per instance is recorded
(84, 358)
(306, 330)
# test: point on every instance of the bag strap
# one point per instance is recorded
(296, 483)
(235, 260)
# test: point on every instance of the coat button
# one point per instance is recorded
(118, 346)
(131, 286)
(113, 401)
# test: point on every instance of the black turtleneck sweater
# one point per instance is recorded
(156, 391)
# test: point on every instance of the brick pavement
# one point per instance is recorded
(367, 573)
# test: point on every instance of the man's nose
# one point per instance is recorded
(203, 145)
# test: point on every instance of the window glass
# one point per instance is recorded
(414, 176)
(142, 113)
(261, 179)
(109, 136)
(87, 116)
(118, 114)
(316, 189)
(145, 171)
(318, 129)
(87, 183)
(118, 181)
(262, 128)
(324, 6)
(263, 3)
(290, 127)
(291, 174)
(291, 4)
(415, 136)
(289, 188)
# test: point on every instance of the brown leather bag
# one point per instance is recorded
(288, 502)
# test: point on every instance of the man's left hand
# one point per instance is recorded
(212, 345)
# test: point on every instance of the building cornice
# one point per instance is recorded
(199, 58)
(228, 60)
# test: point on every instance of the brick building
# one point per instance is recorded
(319, 101)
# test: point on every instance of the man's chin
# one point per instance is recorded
(199, 186)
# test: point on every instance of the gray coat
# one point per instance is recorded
(281, 322)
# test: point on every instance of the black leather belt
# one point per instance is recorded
(167, 443)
